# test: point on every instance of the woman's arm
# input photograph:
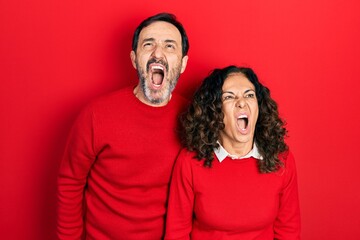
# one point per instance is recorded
(287, 223)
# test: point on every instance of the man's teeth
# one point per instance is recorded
(157, 67)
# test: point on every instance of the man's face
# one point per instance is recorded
(159, 62)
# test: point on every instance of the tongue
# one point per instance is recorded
(157, 78)
(242, 123)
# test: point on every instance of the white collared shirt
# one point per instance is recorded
(221, 153)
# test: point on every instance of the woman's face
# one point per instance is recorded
(240, 108)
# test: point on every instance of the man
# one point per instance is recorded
(113, 180)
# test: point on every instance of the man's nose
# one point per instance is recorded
(158, 52)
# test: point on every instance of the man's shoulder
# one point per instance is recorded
(118, 97)
(121, 94)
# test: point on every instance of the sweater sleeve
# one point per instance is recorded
(181, 200)
(76, 163)
(287, 223)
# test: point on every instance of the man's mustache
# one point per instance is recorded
(159, 61)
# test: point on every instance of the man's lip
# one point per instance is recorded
(157, 66)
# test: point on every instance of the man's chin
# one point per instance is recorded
(158, 98)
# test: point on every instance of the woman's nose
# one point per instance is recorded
(240, 102)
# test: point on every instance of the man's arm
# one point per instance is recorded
(78, 157)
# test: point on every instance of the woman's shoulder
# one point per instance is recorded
(286, 156)
(187, 156)
(288, 160)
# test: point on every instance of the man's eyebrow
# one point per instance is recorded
(170, 41)
(148, 40)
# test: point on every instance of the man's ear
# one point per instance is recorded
(133, 58)
(184, 63)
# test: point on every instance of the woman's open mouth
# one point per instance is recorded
(242, 122)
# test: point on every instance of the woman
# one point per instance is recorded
(236, 178)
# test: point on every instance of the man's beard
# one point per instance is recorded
(162, 95)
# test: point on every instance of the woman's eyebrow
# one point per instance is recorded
(227, 92)
(249, 90)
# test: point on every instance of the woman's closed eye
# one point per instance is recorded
(250, 95)
(227, 97)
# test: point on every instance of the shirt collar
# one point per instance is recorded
(221, 153)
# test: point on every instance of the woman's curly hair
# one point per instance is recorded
(203, 120)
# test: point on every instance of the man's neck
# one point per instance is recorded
(139, 94)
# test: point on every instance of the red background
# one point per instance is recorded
(55, 56)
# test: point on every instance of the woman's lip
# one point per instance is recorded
(241, 115)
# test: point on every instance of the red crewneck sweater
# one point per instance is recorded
(232, 201)
(114, 177)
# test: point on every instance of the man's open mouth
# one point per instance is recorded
(157, 75)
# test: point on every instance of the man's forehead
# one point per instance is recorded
(160, 30)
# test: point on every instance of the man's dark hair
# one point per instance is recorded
(165, 17)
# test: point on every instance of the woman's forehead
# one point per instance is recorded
(237, 80)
